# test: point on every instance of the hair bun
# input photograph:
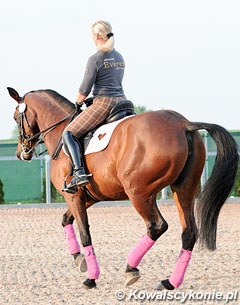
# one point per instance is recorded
(109, 35)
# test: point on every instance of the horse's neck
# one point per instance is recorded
(52, 137)
(47, 117)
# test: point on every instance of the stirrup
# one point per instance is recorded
(77, 180)
(66, 188)
(80, 180)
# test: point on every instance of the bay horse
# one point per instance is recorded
(146, 153)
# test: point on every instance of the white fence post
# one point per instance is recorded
(204, 176)
(164, 193)
(48, 181)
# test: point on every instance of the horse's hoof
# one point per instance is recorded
(81, 263)
(132, 276)
(89, 284)
(165, 285)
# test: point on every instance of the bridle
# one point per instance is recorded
(28, 140)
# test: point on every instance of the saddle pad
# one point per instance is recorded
(102, 136)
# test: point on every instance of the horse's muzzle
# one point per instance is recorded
(23, 156)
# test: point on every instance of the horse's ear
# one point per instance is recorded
(14, 94)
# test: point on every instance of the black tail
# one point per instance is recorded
(219, 185)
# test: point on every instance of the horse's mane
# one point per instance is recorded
(55, 97)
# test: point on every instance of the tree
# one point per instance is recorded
(1, 192)
(140, 109)
(236, 188)
(55, 196)
(15, 133)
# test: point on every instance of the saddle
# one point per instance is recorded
(122, 109)
(119, 111)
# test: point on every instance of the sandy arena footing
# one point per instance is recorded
(36, 268)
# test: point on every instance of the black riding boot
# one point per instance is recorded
(74, 150)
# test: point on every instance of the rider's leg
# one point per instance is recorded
(90, 118)
(74, 150)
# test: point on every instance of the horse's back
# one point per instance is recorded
(156, 128)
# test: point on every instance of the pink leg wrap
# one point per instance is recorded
(141, 248)
(92, 265)
(70, 236)
(177, 276)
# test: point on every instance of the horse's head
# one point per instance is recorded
(28, 129)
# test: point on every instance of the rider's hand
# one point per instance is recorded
(88, 102)
(78, 107)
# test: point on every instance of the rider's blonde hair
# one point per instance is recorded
(104, 30)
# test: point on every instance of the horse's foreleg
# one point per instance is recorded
(69, 233)
(185, 209)
(72, 242)
(156, 226)
(79, 212)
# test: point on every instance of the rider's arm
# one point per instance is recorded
(80, 98)
(88, 80)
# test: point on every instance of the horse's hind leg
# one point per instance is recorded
(73, 245)
(184, 199)
(184, 192)
(156, 226)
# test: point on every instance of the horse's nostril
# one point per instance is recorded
(25, 156)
